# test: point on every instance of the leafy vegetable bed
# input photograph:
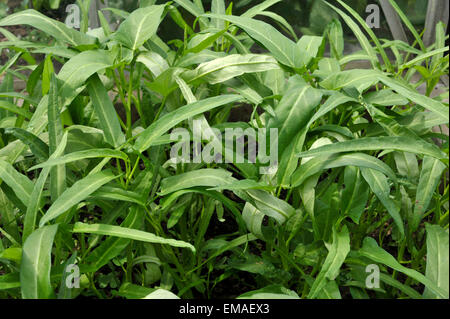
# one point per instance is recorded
(95, 200)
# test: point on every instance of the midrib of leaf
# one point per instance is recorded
(133, 234)
(139, 29)
(398, 143)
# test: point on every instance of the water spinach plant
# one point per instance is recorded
(94, 203)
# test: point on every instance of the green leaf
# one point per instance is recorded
(9, 281)
(362, 39)
(257, 9)
(36, 145)
(131, 291)
(115, 193)
(78, 69)
(379, 185)
(56, 29)
(282, 48)
(10, 95)
(64, 291)
(408, 24)
(430, 176)
(113, 246)
(158, 128)
(371, 250)
(243, 184)
(227, 245)
(355, 195)
(338, 251)
(35, 197)
(202, 177)
(398, 143)
(289, 160)
(55, 131)
(139, 26)
(282, 22)
(385, 98)
(437, 259)
(80, 155)
(422, 100)
(19, 183)
(318, 164)
(294, 110)
(36, 264)
(269, 205)
(9, 64)
(253, 220)
(370, 32)
(387, 279)
(310, 44)
(154, 62)
(129, 233)
(231, 66)
(8, 106)
(218, 7)
(108, 118)
(76, 193)
(359, 79)
(191, 7)
(13, 254)
(47, 73)
(420, 58)
(36, 126)
(335, 37)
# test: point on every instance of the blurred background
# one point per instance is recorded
(305, 16)
(309, 17)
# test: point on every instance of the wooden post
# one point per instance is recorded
(394, 21)
(437, 11)
(93, 16)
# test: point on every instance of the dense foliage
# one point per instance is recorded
(86, 175)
